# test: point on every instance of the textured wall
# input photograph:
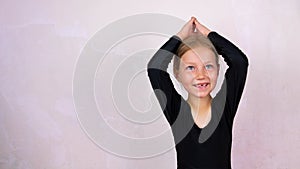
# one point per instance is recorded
(41, 41)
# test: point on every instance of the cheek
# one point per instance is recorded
(186, 77)
(213, 76)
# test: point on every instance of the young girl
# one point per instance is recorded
(201, 125)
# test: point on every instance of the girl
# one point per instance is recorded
(201, 125)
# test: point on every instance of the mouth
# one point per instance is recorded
(201, 86)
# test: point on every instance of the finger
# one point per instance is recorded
(194, 27)
(197, 22)
(189, 23)
(193, 19)
(201, 28)
(198, 25)
(193, 23)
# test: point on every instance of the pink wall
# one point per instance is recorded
(39, 46)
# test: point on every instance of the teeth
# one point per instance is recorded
(202, 85)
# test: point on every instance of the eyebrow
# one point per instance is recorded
(193, 63)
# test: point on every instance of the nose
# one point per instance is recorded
(201, 73)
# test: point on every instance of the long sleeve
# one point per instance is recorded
(161, 81)
(236, 73)
(191, 152)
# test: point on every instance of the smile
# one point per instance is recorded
(201, 86)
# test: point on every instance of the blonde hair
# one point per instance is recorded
(192, 42)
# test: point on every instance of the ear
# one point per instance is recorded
(218, 67)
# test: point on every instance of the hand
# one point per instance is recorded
(201, 28)
(193, 26)
(187, 29)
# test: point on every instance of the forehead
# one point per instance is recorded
(198, 55)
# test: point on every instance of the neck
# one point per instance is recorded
(200, 105)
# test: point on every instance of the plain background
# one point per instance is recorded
(40, 42)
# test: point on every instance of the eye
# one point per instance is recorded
(190, 68)
(208, 67)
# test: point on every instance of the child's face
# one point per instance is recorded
(198, 72)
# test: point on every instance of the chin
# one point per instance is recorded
(202, 95)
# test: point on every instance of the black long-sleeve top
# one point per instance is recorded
(208, 147)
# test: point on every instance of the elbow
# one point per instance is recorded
(240, 63)
(154, 63)
(246, 61)
(150, 65)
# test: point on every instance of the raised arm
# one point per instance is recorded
(159, 77)
(236, 73)
(161, 81)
